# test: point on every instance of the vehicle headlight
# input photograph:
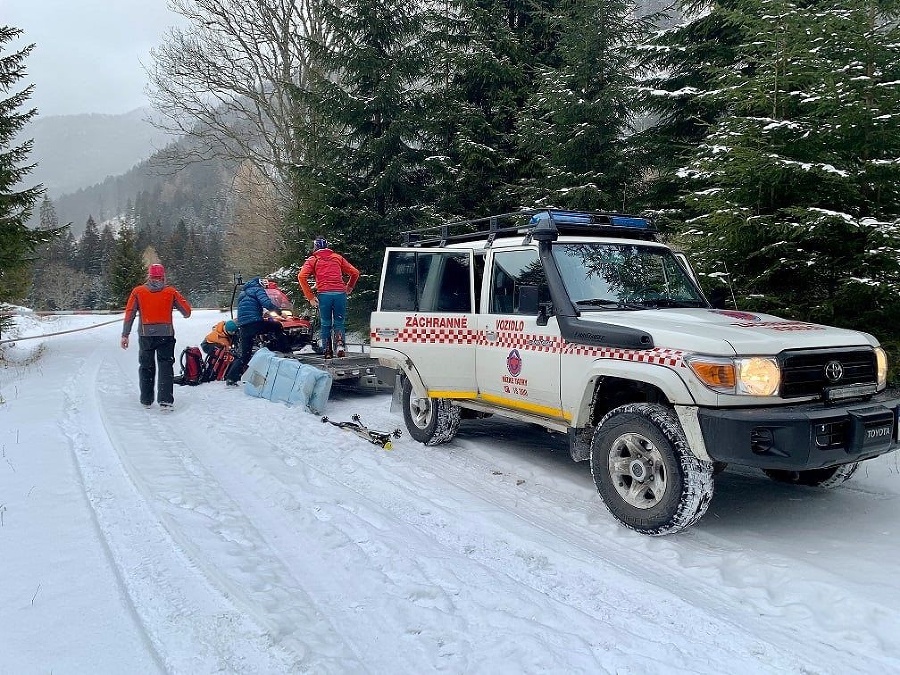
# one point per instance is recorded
(881, 363)
(752, 376)
(758, 376)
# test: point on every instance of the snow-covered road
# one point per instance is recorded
(239, 535)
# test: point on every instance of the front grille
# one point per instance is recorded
(803, 372)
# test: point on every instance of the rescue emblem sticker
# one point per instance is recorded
(512, 383)
(514, 363)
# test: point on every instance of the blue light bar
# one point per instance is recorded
(630, 221)
(571, 217)
(586, 218)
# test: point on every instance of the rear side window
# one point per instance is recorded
(427, 281)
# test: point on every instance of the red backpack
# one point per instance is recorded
(217, 364)
(191, 367)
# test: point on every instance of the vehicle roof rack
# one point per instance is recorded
(538, 223)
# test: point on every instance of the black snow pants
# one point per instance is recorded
(247, 334)
(156, 351)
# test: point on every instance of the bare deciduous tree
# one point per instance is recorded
(251, 241)
(225, 81)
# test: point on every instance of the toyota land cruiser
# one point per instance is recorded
(584, 323)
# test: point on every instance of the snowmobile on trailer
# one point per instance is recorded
(298, 331)
(299, 340)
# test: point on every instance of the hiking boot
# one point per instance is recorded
(147, 405)
(167, 407)
(231, 383)
(340, 352)
(328, 354)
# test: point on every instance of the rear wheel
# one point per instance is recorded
(431, 421)
(823, 478)
(645, 472)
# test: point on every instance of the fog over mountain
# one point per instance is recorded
(77, 151)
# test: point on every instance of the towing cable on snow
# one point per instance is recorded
(62, 332)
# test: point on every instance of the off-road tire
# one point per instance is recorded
(430, 421)
(822, 478)
(648, 437)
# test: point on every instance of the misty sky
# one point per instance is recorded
(88, 53)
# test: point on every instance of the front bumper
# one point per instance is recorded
(802, 437)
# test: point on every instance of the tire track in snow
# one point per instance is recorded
(305, 514)
(430, 581)
(370, 557)
(194, 627)
(711, 581)
(79, 445)
(504, 560)
(663, 564)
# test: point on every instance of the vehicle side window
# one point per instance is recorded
(427, 282)
(512, 270)
(399, 293)
(445, 286)
(479, 277)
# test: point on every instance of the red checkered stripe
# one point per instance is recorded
(658, 355)
(555, 344)
(523, 341)
(456, 336)
(535, 343)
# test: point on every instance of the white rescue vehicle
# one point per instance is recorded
(583, 323)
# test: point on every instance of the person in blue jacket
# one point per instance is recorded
(252, 302)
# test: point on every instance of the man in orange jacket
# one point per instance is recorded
(328, 268)
(154, 301)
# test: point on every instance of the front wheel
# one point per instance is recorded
(823, 478)
(431, 421)
(645, 472)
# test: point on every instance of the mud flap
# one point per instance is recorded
(397, 397)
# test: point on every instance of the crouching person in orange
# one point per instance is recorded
(155, 301)
(221, 335)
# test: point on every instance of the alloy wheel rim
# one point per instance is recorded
(637, 470)
(420, 411)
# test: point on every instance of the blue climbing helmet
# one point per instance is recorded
(230, 327)
(320, 243)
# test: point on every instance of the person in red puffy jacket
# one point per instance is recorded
(329, 269)
(155, 301)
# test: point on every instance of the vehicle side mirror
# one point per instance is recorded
(718, 297)
(528, 300)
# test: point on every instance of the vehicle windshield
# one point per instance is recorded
(624, 276)
(277, 296)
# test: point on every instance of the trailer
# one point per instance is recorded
(356, 371)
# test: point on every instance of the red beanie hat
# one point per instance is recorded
(157, 271)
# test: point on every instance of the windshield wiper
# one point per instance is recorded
(605, 303)
(670, 302)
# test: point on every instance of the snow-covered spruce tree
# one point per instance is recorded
(126, 267)
(797, 186)
(573, 127)
(368, 181)
(480, 77)
(486, 56)
(17, 241)
(90, 252)
(49, 261)
(681, 64)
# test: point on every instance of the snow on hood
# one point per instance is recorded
(726, 332)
